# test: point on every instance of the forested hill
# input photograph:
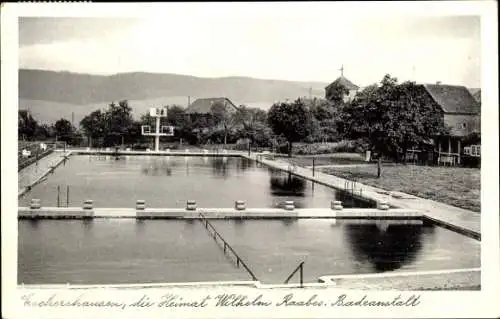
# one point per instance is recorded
(82, 89)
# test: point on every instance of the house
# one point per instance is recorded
(204, 105)
(330, 90)
(460, 112)
(477, 96)
(200, 112)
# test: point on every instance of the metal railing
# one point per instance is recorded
(226, 246)
(36, 155)
(351, 188)
(299, 268)
(59, 204)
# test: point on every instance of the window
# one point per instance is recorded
(169, 130)
(476, 150)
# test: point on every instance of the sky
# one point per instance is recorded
(292, 42)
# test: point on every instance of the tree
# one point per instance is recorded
(253, 124)
(391, 118)
(43, 132)
(291, 120)
(94, 126)
(222, 118)
(119, 121)
(176, 116)
(111, 126)
(324, 119)
(181, 122)
(64, 130)
(336, 93)
(26, 125)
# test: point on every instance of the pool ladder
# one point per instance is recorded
(351, 188)
(299, 268)
(215, 234)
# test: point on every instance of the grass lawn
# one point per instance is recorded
(455, 186)
(326, 159)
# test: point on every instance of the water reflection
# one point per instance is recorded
(387, 246)
(140, 224)
(287, 222)
(287, 185)
(243, 165)
(157, 169)
(220, 167)
(88, 224)
(349, 201)
(34, 223)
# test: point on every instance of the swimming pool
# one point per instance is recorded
(169, 181)
(111, 251)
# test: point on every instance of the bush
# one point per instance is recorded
(140, 146)
(345, 146)
(351, 146)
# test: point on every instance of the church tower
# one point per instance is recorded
(343, 81)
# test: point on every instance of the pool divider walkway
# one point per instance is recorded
(215, 213)
(186, 152)
(461, 220)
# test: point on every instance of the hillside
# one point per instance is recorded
(82, 89)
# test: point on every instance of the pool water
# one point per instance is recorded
(171, 181)
(111, 251)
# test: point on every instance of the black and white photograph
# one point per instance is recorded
(277, 159)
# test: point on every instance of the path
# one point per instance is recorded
(34, 172)
(338, 166)
(427, 280)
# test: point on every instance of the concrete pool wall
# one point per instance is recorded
(214, 213)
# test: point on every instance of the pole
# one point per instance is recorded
(314, 166)
(67, 196)
(58, 189)
(301, 275)
(157, 136)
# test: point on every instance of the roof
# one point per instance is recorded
(344, 82)
(203, 106)
(453, 98)
(477, 96)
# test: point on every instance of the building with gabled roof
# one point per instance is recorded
(204, 105)
(459, 112)
(341, 81)
(477, 96)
